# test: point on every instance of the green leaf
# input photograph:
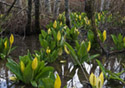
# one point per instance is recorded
(102, 67)
(48, 82)
(44, 34)
(44, 43)
(114, 38)
(34, 84)
(44, 73)
(27, 74)
(72, 52)
(15, 68)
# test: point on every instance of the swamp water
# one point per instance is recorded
(70, 75)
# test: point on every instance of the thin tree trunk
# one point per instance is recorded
(56, 8)
(37, 23)
(48, 7)
(67, 13)
(28, 26)
(19, 4)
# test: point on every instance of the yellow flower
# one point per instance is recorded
(5, 44)
(92, 79)
(57, 83)
(89, 46)
(77, 31)
(88, 22)
(58, 36)
(13, 78)
(60, 23)
(48, 50)
(104, 35)
(34, 63)
(96, 81)
(11, 39)
(99, 16)
(60, 16)
(55, 24)
(49, 31)
(60, 52)
(79, 17)
(22, 66)
(66, 50)
(102, 78)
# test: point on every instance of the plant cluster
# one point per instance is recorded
(6, 46)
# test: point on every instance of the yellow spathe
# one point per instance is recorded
(57, 83)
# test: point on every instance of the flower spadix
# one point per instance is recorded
(34, 63)
(5, 44)
(57, 83)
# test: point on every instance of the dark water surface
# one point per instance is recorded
(70, 74)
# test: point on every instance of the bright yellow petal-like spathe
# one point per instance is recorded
(104, 35)
(22, 66)
(60, 23)
(34, 63)
(58, 36)
(66, 50)
(98, 83)
(55, 24)
(92, 79)
(60, 52)
(49, 31)
(5, 44)
(11, 39)
(13, 78)
(57, 83)
(79, 17)
(89, 46)
(48, 50)
(102, 78)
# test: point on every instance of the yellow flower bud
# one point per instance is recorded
(48, 50)
(92, 79)
(22, 66)
(60, 23)
(66, 50)
(60, 52)
(57, 83)
(79, 17)
(11, 39)
(5, 44)
(34, 63)
(13, 78)
(89, 46)
(49, 31)
(104, 35)
(55, 24)
(99, 16)
(58, 36)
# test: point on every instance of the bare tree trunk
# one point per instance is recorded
(56, 8)
(48, 7)
(67, 13)
(2, 6)
(19, 4)
(102, 5)
(37, 23)
(28, 26)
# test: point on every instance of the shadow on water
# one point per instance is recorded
(71, 75)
